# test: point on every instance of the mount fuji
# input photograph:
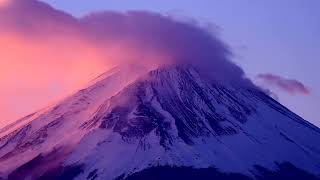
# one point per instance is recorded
(168, 123)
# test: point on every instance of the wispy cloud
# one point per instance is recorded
(290, 86)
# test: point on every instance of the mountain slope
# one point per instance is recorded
(58, 125)
(169, 117)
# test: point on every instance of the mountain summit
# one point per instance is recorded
(167, 123)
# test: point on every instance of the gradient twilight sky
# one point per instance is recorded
(269, 36)
(276, 40)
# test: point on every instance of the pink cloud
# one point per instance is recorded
(47, 54)
(290, 86)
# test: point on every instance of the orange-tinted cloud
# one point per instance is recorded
(41, 58)
(46, 53)
(35, 73)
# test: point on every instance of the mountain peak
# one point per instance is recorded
(130, 120)
(189, 102)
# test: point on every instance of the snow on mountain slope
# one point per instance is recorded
(58, 125)
(171, 116)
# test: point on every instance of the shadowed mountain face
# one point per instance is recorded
(284, 171)
(169, 123)
(184, 97)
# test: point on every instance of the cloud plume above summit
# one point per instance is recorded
(48, 53)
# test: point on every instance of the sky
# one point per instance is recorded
(275, 42)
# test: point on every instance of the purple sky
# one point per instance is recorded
(268, 37)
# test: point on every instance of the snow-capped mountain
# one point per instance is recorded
(171, 122)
